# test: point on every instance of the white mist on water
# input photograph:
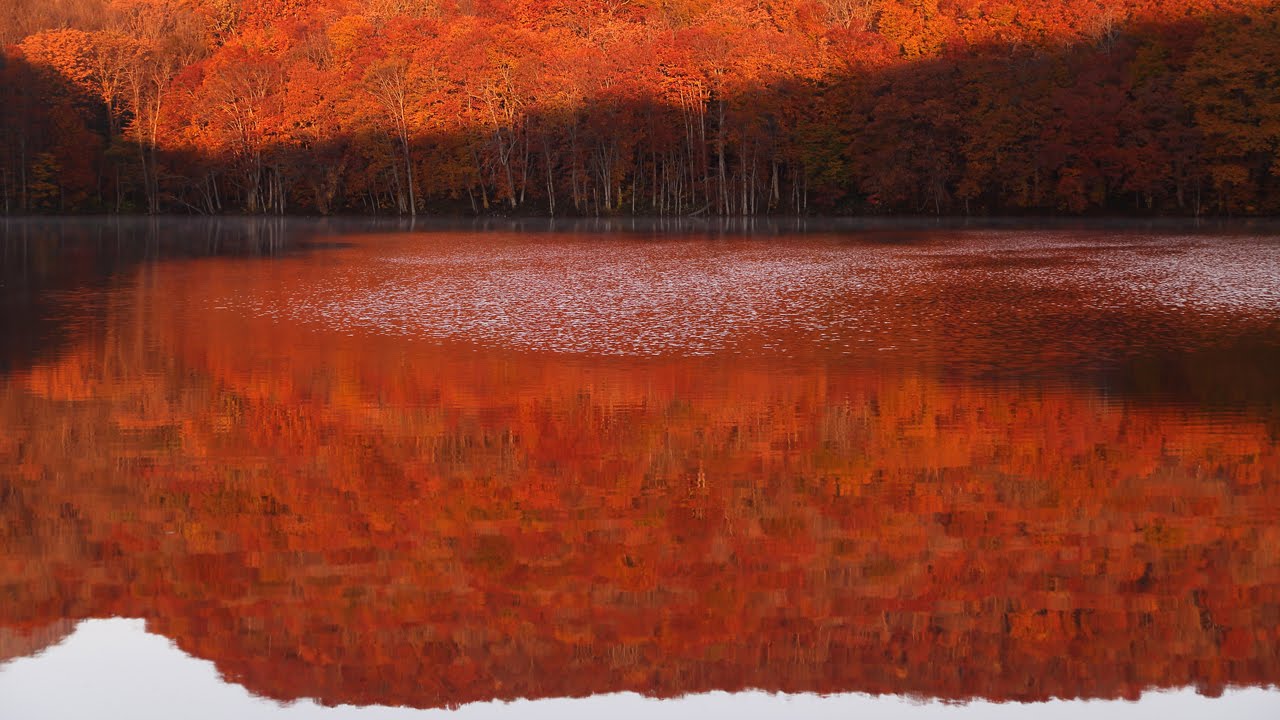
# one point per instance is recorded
(114, 669)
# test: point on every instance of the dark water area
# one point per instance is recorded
(356, 463)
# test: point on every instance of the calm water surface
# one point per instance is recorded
(879, 469)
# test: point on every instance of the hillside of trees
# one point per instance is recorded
(653, 107)
(368, 520)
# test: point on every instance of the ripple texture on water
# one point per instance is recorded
(615, 296)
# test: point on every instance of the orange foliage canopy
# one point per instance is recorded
(729, 107)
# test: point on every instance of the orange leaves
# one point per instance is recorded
(917, 27)
(235, 103)
(348, 35)
(65, 52)
(721, 106)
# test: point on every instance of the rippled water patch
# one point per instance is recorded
(612, 296)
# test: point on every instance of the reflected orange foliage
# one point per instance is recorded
(367, 520)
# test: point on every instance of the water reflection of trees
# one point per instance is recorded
(49, 267)
(379, 523)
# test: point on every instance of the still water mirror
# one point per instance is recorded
(292, 468)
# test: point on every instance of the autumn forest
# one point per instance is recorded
(643, 107)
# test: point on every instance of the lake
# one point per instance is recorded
(292, 468)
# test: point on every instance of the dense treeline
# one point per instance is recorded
(644, 106)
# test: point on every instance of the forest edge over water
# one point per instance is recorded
(605, 108)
